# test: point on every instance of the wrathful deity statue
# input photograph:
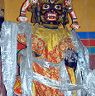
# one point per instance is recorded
(51, 42)
(51, 60)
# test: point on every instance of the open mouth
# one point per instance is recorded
(51, 17)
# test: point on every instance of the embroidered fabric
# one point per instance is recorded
(8, 52)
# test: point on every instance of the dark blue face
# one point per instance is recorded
(51, 12)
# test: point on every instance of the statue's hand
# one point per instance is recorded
(22, 19)
(75, 25)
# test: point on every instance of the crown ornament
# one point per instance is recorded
(51, 1)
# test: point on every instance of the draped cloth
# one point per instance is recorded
(8, 54)
(39, 55)
(48, 52)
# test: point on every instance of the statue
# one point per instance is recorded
(53, 61)
(51, 40)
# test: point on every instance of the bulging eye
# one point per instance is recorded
(58, 7)
(46, 6)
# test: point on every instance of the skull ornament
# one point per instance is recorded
(67, 2)
(34, 1)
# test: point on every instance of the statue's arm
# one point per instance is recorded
(72, 14)
(23, 11)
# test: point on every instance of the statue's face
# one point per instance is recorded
(51, 12)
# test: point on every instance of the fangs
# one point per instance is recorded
(51, 17)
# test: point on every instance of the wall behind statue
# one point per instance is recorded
(86, 15)
(1, 3)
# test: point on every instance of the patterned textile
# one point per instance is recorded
(50, 45)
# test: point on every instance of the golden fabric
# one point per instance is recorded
(52, 37)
